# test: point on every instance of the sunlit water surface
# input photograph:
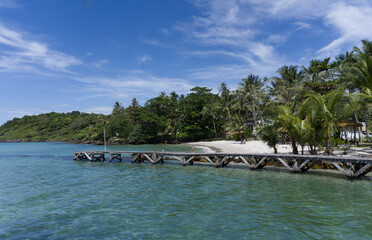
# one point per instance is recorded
(45, 194)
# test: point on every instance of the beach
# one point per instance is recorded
(226, 146)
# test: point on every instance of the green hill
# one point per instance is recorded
(71, 127)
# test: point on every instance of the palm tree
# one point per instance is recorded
(303, 132)
(118, 108)
(319, 70)
(286, 118)
(270, 135)
(236, 123)
(252, 90)
(363, 69)
(320, 111)
(211, 110)
(362, 78)
(224, 103)
(286, 88)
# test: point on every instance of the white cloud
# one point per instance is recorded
(231, 28)
(144, 58)
(302, 25)
(28, 55)
(236, 29)
(134, 84)
(99, 64)
(277, 39)
(221, 23)
(151, 42)
(353, 23)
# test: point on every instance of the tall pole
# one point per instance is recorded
(104, 135)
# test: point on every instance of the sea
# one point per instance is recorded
(45, 194)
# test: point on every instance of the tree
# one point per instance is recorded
(252, 91)
(270, 135)
(236, 123)
(285, 120)
(363, 69)
(224, 104)
(287, 87)
(193, 125)
(320, 112)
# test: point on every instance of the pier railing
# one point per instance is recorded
(352, 167)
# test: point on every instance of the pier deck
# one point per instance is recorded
(352, 167)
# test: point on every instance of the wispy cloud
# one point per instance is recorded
(226, 28)
(151, 42)
(134, 84)
(302, 25)
(237, 28)
(100, 63)
(353, 23)
(144, 58)
(24, 54)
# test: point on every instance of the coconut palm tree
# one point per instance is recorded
(363, 69)
(270, 135)
(286, 87)
(224, 104)
(212, 111)
(236, 123)
(320, 111)
(286, 118)
(251, 89)
(361, 72)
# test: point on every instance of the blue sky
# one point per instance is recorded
(66, 55)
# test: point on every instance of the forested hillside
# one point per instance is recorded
(74, 126)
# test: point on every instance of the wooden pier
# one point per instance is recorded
(352, 167)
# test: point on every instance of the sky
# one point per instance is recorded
(66, 55)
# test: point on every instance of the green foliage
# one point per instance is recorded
(74, 126)
(270, 135)
(137, 136)
(321, 87)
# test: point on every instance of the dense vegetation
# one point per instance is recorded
(74, 126)
(302, 105)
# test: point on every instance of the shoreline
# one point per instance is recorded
(230, 146)
(226, 146)
(218, 146)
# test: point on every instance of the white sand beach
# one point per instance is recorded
(237, 147)
(261, 147)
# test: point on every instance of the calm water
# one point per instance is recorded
(45, 194)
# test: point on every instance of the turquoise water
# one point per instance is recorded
(45, 194)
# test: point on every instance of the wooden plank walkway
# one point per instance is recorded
(352, 167)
